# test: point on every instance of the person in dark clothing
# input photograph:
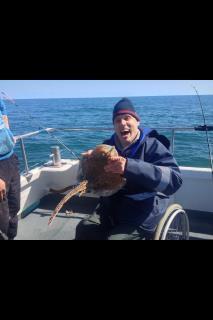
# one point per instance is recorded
(152, 176)
(9, 180)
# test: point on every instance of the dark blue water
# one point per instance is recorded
(173, 111)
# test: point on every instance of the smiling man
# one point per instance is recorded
(152, 176)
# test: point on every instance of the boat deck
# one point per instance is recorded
(35, 225)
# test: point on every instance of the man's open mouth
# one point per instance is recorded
(125, 133)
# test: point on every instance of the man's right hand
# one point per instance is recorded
(2, 190)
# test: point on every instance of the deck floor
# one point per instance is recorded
(35, 225)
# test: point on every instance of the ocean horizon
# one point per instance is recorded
(112, 97)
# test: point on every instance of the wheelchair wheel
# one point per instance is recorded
(174, 225)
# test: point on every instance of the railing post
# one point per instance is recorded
(24, 157)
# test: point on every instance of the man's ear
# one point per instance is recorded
(139, 124)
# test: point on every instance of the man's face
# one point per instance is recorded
(126, 128)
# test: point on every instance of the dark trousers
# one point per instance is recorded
(10, 206)
(94, 229)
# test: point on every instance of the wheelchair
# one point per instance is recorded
(174, 225)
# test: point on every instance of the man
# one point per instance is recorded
(9, 180)
(152, 176)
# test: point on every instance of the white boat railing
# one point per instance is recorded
(173, 130)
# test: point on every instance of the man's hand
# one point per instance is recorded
(116, 165)
(2, 190)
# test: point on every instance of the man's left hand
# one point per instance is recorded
(116, 165)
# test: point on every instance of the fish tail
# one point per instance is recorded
(82, 187)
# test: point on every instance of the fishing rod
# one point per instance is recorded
(8, 98)
(206, 128)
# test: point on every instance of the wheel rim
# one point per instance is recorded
(176, 227)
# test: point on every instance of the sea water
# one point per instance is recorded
(155, 112)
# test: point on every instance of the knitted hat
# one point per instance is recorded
(124, 106)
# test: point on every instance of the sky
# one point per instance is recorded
(35, 89)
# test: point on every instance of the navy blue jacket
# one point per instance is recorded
(152, 175)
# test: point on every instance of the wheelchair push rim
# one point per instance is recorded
(174, 225)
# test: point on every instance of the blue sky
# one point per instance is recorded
(26, 89)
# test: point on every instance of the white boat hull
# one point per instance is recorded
(196, 192)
